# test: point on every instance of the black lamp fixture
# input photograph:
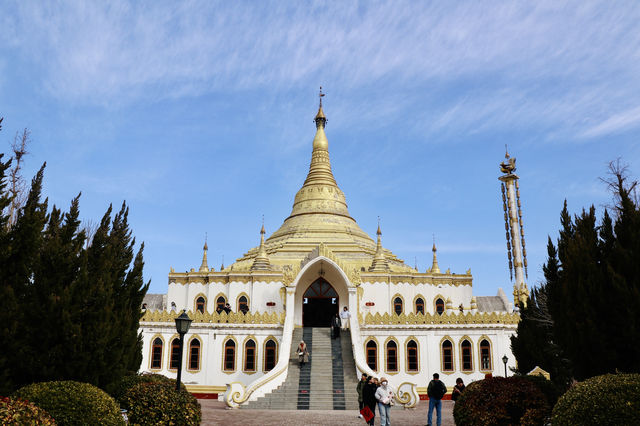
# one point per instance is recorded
(505, 360)
(183, 322)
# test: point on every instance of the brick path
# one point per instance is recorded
(215, 413)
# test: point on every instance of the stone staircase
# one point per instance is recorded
(327, 382)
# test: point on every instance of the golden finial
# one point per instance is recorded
(262, 229)
(434, 265)
(321, 119)
(506, 151)
(204, 267)
(379, 232)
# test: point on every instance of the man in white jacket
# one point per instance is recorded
(344, 317)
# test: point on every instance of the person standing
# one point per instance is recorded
(435, 391)
(361, 384)
(345, 316)
(335, 324)
(384, 396)
(303, 353)
(457, 389)
(369, 398)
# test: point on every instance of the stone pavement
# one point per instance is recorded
(216, 413)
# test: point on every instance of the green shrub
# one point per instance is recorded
(73, 403)
(611, 399)
(20, 412)
(550, 390)
(152, 403)
(127, 382)
(500, 401)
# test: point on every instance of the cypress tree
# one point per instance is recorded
(71, 310)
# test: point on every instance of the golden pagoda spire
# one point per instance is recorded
(435, 269)
(319, 212)
(204, 267)
(261, 262)
(222, 265)
(379, 263)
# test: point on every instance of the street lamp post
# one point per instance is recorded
(183, 322)
(504, 360)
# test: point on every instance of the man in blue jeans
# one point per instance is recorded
(435, 392)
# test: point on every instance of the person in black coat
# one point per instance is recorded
(335, 326)
(369, 397)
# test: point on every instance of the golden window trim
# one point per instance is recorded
(215, 300)
(195, 302)
(435, 304)
(406, 349)
(151, 342)
(460, 341)
(191, 339)
(424, 304)
(374, 340)
(393, 304)
(238, 301)
(480, 339)
(175, 336)
(386, 355)
(255, 354)
(453, 357)
(264, 352)
(224, 354)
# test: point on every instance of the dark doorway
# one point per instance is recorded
(319, 304)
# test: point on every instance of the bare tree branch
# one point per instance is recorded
(17, 185)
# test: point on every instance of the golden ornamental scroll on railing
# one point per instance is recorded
(453, 318)
(222, 318)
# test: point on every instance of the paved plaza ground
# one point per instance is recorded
(216, 413)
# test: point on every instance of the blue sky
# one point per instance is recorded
(199, 115)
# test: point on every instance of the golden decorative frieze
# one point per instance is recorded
(289, 274)
(418, 319)
(223, 317)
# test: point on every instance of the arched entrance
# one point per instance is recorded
(319, 304)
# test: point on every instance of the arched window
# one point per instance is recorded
(419, 306)
(156, 353)
(250, 355)
(175, 354)
(243, 304)
(372, 355)
(270, 355)
(392, 356)
(220, 303)
(447, 356)
(467, 355)
(485, 355)
(229, 355)
(439, 306)
(412, 356)
(194, 354)
(200, 303)
(397, 305)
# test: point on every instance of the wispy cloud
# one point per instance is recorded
(616, 123)
(543, 62)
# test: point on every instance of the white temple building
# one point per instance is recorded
(405, 324)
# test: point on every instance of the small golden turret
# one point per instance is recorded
(261, 262)
(379, 263)
(204, 267)
(435, 269)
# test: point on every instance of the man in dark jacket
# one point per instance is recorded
(369, 397)
(435, 391)
(361, 384)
